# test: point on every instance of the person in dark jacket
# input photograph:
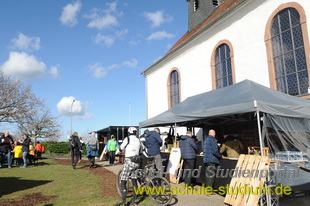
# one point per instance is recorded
(188, 151)
(6, 143)
(25, 149)
(74, 148)
(153, 143)
(211, 157)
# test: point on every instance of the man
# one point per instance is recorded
(74, 148)
(92, 147)
(111, 147)
(131, 145)
(153, 143)
(6, 143)
(188, 151)
(25, 149)
(211, 157)
(232, 146)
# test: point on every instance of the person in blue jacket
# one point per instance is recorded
(188, 151)
(153, 142)
(211, 157)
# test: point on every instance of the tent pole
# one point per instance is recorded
(259, 133)
(175, 129)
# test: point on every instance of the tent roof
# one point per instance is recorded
(243, 97)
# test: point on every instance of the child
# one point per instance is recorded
(31, 153)
(18, 153)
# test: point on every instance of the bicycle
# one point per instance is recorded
(147, 179)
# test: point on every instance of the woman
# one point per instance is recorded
(6, 142)
(92, 146)
(25, 149)
(111, 147)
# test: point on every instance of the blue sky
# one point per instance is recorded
(92, 51)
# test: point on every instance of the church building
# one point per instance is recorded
(228, 41)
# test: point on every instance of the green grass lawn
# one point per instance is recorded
(71, 187)
(56, 154)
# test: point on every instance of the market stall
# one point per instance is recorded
(241, 103)
(265, 118)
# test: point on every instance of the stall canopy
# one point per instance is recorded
(286, 119)
(244, 97)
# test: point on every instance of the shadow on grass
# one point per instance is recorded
(14, 184)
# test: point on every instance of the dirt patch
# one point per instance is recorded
(107, 178)
(28, 200)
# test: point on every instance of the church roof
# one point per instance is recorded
(219, 12)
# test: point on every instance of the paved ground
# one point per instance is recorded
(180, 200)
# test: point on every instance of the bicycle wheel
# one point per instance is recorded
(162, 194)
(128, 185)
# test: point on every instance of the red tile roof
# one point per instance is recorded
(221, 9)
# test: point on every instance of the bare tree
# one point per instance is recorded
(40, 124)
(16, 100)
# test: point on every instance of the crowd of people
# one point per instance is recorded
(148, 145)
(136, 151)
(212, 153)
(21, 152)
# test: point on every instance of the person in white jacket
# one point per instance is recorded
(131, 145)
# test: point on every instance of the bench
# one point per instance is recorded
(37, 157)
(17, 161)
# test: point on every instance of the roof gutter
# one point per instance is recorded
(233, 8)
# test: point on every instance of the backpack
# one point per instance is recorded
(143, 149)
(128, 141)
(73, 141)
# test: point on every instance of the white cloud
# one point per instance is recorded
(54, 71)
(113, 66)
(25, 43)
(97, 70)
(69, 13)
(106, 41)
(122, 34)
(101, 22)
(132, 64)
(23, 65)
(79, 109)
(157, 18)
(160, 35)
(112, 7)
(133, 43)
(101, 19)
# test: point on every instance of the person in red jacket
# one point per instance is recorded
(39, 149)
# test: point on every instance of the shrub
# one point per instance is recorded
(58, 147)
